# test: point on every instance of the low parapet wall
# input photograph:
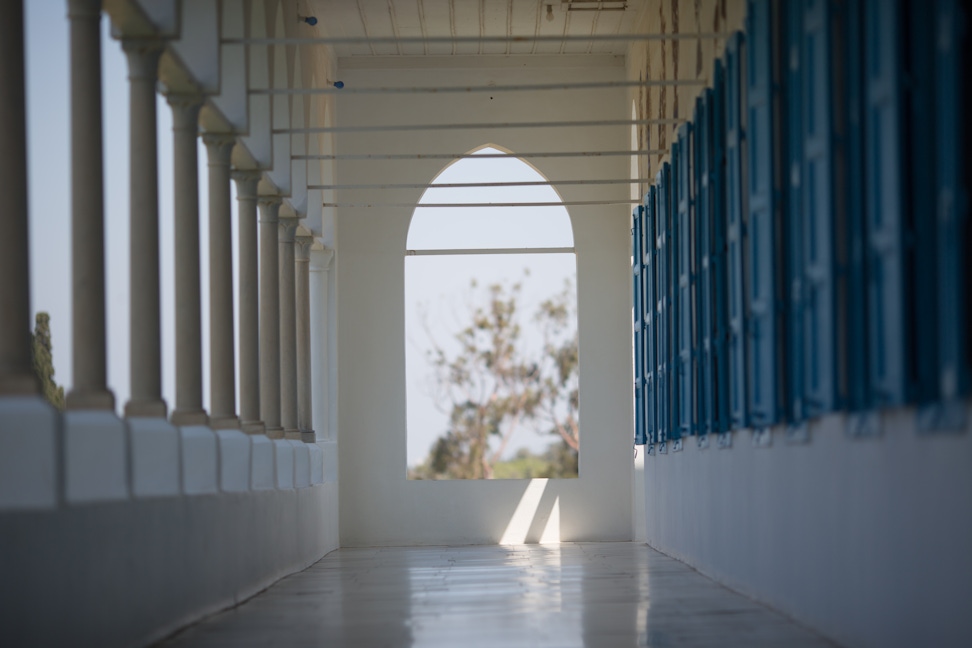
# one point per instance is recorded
(124, 568)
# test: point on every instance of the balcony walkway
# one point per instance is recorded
(591, 594)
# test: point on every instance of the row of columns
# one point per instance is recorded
(274, 310)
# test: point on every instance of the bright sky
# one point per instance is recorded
(49, 151)
(439, 285)
(428, 279)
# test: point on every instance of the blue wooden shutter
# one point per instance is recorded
(705, 386)
(761, 228)
(735, 196)
(649, 304)
(663, 313)
(796, 218)
(638, 312)
(681, 156)
(817, 206)
(884, 200)
(718, 253)
(858, 388)
(952, 94)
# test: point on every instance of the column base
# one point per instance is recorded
(275, 432)
(308, 436)
(253, 427)
(316, 463)
(283, 459)
(146, 409)
(200, 460)
(292, 434)
(29, 431)
(224, 423)
(261, 463)
(154, 444)
(234, 461)
(302, 467)
(90, 400)
(96, 456)
(189, 418)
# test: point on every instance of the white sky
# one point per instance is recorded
(428, 279)
(439, 285)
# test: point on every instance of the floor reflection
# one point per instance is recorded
(564, 595)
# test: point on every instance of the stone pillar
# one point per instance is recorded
(246, 187)
(29, 451)
(305, 422)
(146, 353)
(90, 388)
(188, 301)
(16, 369)
(288, 330)
(320, 263)
(270, 317)
(222, 368)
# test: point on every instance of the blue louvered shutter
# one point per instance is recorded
(649, 304)
(761, 228)
(954, 236)
(681, 156)
(705, 386)
(920, 225)
(796, 219)
(883, 203)
(858, 389)
(664, 348)
(817, 235)
(735, 201)
(718, 254)
(638, 312)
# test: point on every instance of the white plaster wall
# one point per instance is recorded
(131, 572)
(867, 540)
(379, 506)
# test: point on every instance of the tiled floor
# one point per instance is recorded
(598, 594)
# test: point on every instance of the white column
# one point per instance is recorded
(246, 187)
(155, 444)
(188, 299)
(90, 388)
(146, 355)
(28, 451)
(305, 422)
(270, 317)
(221, 337)
(16, 369)
(288, 330)
(320, 262)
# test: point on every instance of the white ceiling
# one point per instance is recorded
(472, 18)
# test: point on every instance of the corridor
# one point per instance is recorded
(572, 594)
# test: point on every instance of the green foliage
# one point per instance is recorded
(492, 388)
(44, 360)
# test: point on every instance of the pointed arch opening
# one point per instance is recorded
(491, 341)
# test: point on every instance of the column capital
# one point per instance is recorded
(302, 246)
(143, 57)
(185, 110)
(219, 147)
(320, 257)
(288, 228)
(84, 9)
(246, 183)
(269, 208)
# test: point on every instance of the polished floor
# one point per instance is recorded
(597, 594)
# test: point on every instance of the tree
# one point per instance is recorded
(494, 386)
(44, 360)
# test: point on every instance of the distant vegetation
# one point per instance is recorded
(41, 352)
(491, 389)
